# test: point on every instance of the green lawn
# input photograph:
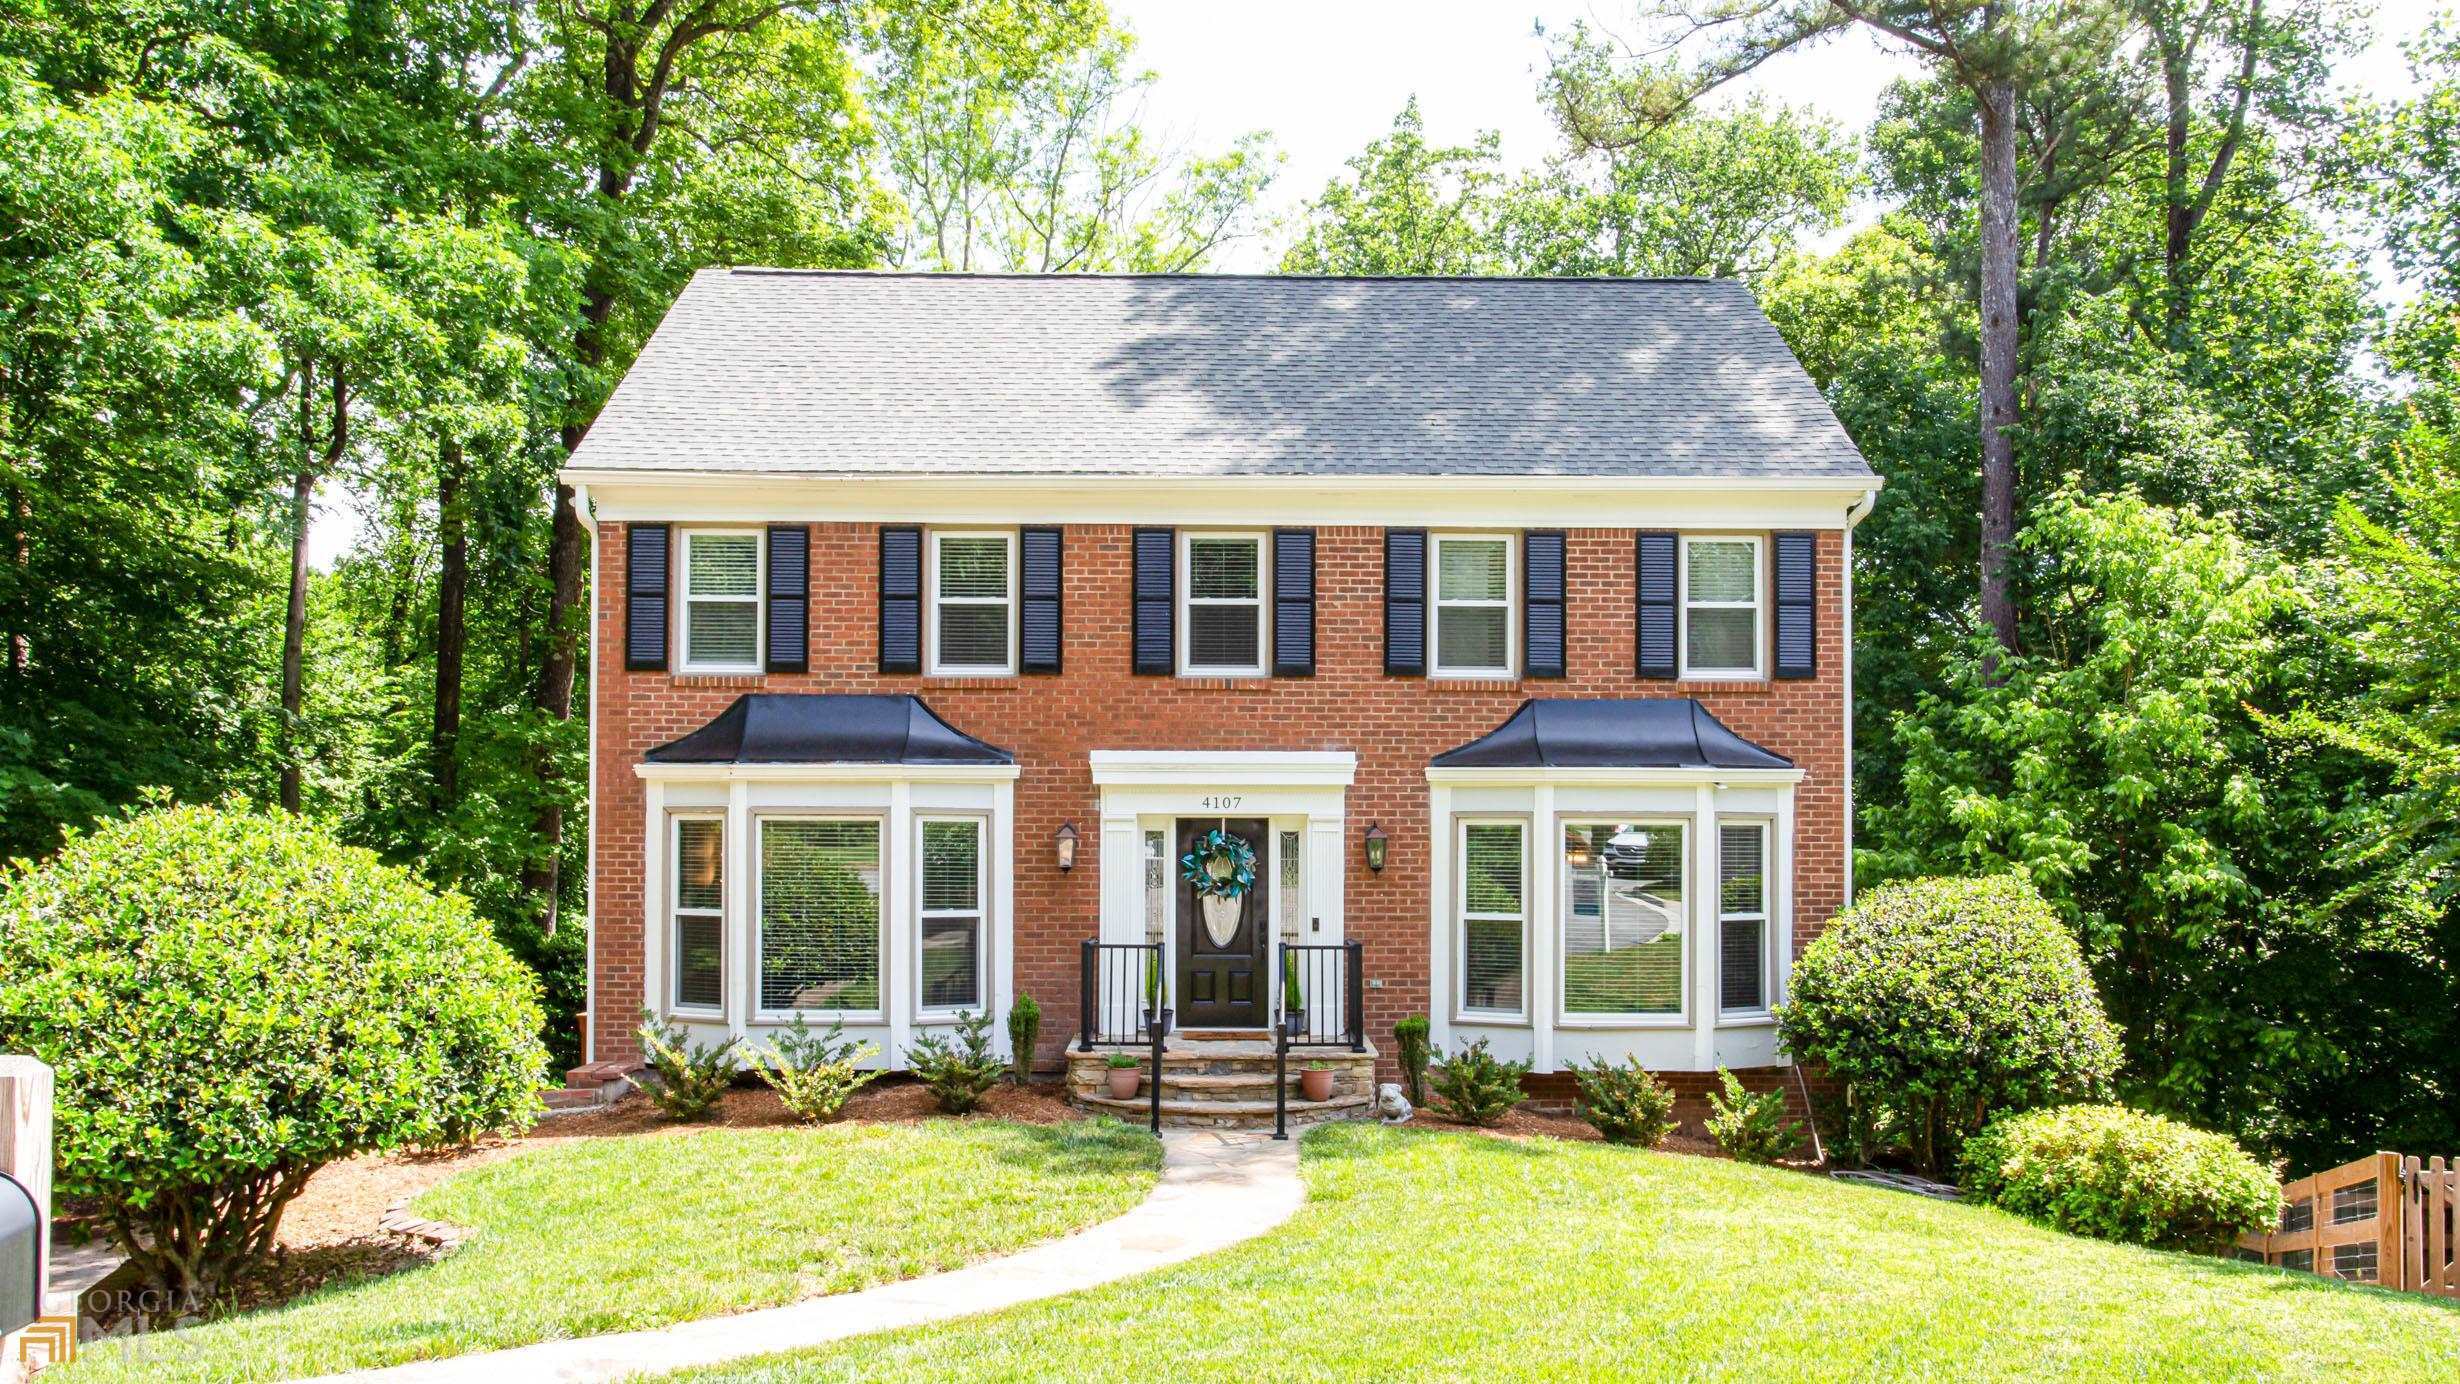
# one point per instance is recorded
(1423, 1255)
(596, 1235)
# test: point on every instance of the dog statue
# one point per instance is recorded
(1391, 1106)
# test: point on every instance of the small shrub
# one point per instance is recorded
(1624, 1103)
(1123, 1061)
(2120, 1174)
(1024, 1031)
(1477, 1087)
(1941, 1003)
(230, 1000)
(813, 1074)
(1410, 1035)
(1751, 1128)
(691, 1076)
(959, 1072)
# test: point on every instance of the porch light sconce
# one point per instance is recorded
(1375, 848)
(1064, 841)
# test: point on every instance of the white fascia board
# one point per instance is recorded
(828, 773)
(1229, 768)
(1517, 776)
(1693, 502)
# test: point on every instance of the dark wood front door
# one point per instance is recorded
(1221, 983)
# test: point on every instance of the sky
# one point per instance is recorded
(1325, 76)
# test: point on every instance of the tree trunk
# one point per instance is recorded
(1999, 227)
(294, 634)
(452, 629)
(2178, 226)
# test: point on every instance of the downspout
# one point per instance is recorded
(589, 885)
(1854, 514)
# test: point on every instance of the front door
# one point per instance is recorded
(1222, 971)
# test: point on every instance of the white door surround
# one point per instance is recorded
(1303, 791)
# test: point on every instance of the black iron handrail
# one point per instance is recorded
(1123, 998)
(1321, 1003)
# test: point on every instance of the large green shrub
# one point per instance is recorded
(1750, 1127)
(1476, 1087)
(687, 1079)
(232, 1000)
(959, 1071)
(1940, 1003)
(2120, 1174)
(1623, 1103)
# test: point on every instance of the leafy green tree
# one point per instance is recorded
(1408, 207)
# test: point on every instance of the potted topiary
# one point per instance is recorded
(1127, 1073)
(1315, 1081)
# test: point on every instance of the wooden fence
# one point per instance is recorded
(2384, 1219)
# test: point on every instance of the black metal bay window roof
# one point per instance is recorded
(828, 728)
(1611, 733)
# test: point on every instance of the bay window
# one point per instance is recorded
(819, 914)
(1742, 916)
(1494, 917)
(698, 907)
(1622, 910)
(950, 945)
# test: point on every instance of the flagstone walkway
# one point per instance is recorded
(1217, 1188)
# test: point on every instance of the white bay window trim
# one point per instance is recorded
(1464, 1009)
(979, 914)
(677, 913)
(1757, 605)
(692, 602)
(1189, 602)
(1759, 912)
(883, 908)
(937, 599)
(1687, 950)
(1438, 603)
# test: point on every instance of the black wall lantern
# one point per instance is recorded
(1375, 848)
(1064, 842)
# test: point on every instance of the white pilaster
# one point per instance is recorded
(1439, 984)
(1702, 951)
(900, 911)
(999, 940)
(742, 928)
(655, 925)
(1545, 977)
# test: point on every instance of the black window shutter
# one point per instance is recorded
(645, 611)
(1541, 584)
(1040, 550)
(1156, 559)
(1405, 602)
(1653, 633)
(901, 600)
(1797, 608)
(789, 612)
(1293, 603)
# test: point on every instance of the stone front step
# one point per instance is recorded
(1225, 1082)
(1180, 1114)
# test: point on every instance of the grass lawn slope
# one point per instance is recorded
(1423, 1255)
(604, 1235)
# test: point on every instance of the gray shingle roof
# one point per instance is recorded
(1219, 375)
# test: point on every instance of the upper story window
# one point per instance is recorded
(1222, 613)
(722, 573)
(973, 603)
(1473, 630)
(1722, 635)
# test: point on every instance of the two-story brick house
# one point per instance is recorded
(1500, 626)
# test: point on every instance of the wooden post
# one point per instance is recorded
(25, 1154)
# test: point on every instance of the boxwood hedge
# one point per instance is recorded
(2120, 1174)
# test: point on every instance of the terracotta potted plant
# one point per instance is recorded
(1127, 1073)
(1315, 1081)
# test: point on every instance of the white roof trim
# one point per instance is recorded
(1521, 776)
(828, 773)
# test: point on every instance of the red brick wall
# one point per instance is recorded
(1393, 725)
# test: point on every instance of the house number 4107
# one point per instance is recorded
(1222, 802)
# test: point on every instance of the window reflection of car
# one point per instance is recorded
(1627, 854)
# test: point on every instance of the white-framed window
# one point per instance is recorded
(951, 890)
(723, 571)
(1493, 901)
(1742, 917)
(1723, 601)
(972, 603)
(1623, 911)
(1470, 624)
(818, 914)
(1221, 604)
(697, 903)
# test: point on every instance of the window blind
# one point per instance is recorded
(1721, 596)
(1224, 603)
(1473, 594)
(970, 602)
(721, 618)
(700, 901)
(951, 950)
(1492, 916)
(819, 914)
(1742, 908)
